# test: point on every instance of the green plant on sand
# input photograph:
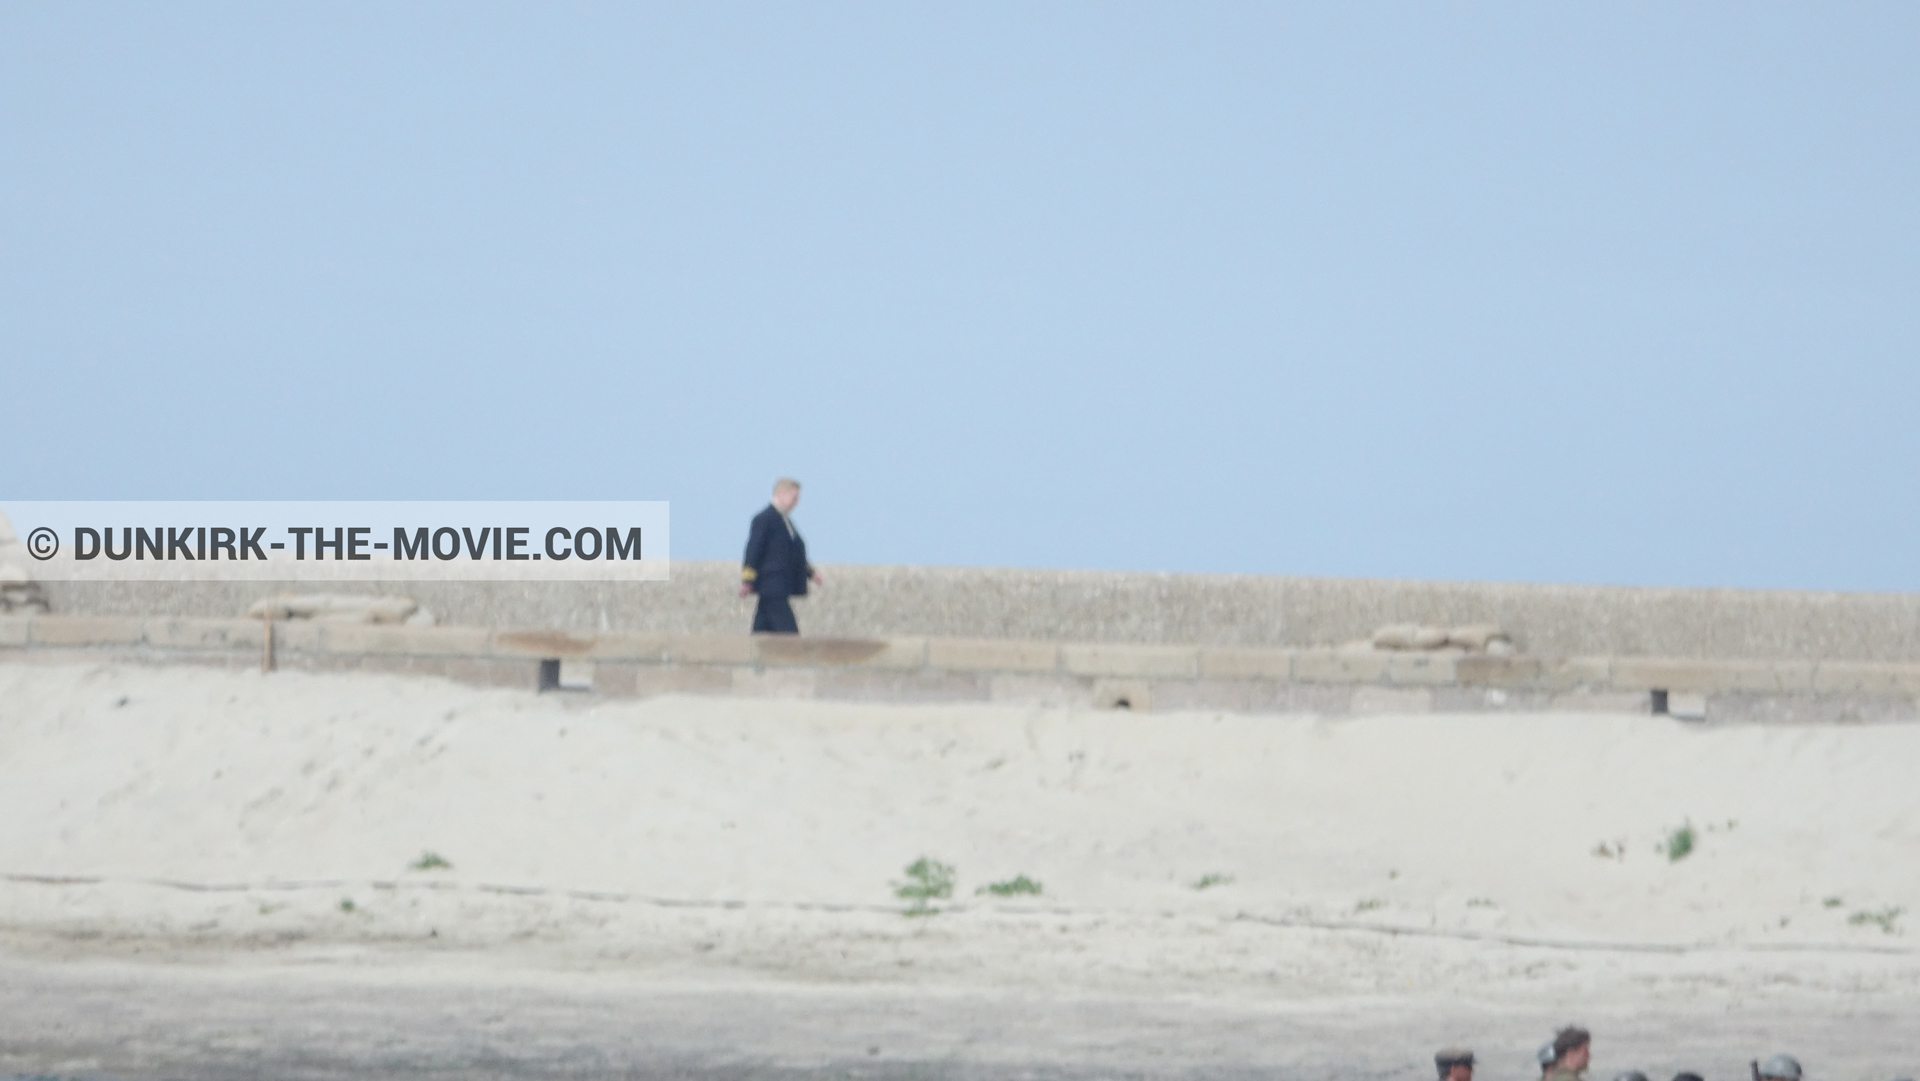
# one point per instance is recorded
(1207, 882)
(1012, 887)
(1882, 919)
(1679, 843)
(431, 861)
(927, 880)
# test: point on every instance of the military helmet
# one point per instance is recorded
(1451, 1057)
(1630, 1075)
(1545, 1056)
(1784, 1067)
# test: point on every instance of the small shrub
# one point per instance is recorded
(1882, 919)
(1481, 902)
(346, 904)
(1679, 843)
(1012, 887)
(1833, 902)
(431, 861)
(1369, 905)
(927, 880)
(1207, 882)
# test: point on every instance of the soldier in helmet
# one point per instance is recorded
(1780, 1068)
(1453, 1064)
(1572, 1048)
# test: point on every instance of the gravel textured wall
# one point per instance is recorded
(1096, 606)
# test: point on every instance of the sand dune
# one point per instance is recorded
(692, 837)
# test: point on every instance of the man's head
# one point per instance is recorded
(786, 493)
(1454, 1064)
(1572, 1048)
(1780, 1068)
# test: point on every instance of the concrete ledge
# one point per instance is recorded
(204, 633)
(1843, 677)
(1498, 671)
(780, 649)
(1138, 661)
(651, 648)
(1340, 666)
(1083, 675)
(406, 641)
(544, 644)
(1241, 662)
(1422, 668)
(710, 649)
(992, 655)
(86, 631)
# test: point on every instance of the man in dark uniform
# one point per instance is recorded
(776, 564)
(1454, 1064)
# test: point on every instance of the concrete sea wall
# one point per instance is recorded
(1019, 671)
(1095, 606)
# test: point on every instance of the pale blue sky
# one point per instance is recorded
(1547, 292)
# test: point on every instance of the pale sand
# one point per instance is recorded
(701, 843)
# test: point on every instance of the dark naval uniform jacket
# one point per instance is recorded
(776, 561)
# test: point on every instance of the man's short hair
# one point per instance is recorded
(1568, 1039)
(786, 484)
(1451, 1057)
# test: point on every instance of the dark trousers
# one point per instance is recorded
(774, 615)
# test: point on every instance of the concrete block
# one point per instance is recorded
(520, 674)
(620, 646)
(1392, 700)
(1040, 690)
(13, 631)
(1601, 701)
(295, 637)
(1241, 662)
(1225, 695)
(372, 638)
(710, 649)
(214, 634)
(773, 683)
(1140, 662)
(883, 685)
(1340, 666)
(893, 653)
(577, 674)
(649, 679)
(1326, 699)
(1133, 695)
(389, 664)
(1845, 677)
(548, 644)
(1746, 707)
(1690, 706)
(1489, 699)
(1777, 677)
(1507, 672)
(990, 655)
(1229, 696)
(1574, 673)
(1692, 675)
(87, 631)
(1422, 668)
